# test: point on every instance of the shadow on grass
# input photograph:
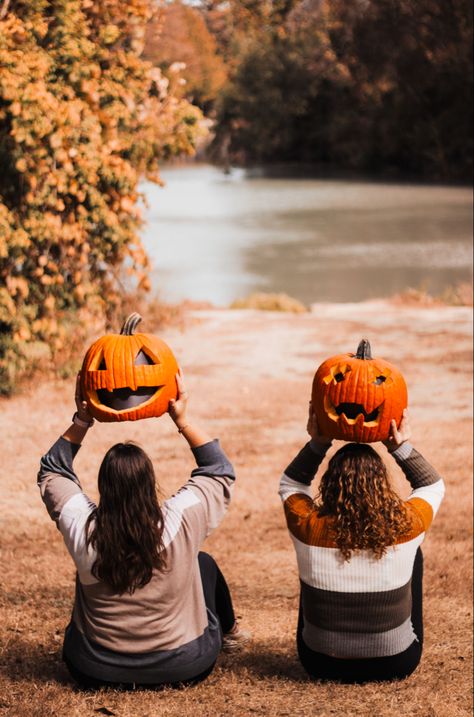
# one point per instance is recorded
(264, 662)
(24, 661)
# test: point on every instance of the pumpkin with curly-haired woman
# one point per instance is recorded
(358, 552)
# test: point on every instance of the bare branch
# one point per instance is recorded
(4, 8)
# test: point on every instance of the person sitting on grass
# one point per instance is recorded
(359, 559)
(150, 609)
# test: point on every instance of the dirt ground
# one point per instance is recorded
(249, 375)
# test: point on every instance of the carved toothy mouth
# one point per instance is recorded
(352, 412)
(123, 399)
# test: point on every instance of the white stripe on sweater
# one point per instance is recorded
(173, 510)
(326, 569)
(288, 487)
(433, 494)
(72, 523)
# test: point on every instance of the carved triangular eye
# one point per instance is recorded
(141, 359)
(380, 379)
(102, 366)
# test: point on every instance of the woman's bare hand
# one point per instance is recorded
(81, 405)
(398, 434)
(313, 428)
(178, 406)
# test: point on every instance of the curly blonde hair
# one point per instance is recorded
(355, 494)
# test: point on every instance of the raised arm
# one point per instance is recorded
(298, 476)
(204, 498)
(428, 486)
(56, 477)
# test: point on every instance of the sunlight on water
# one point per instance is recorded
(217, 237)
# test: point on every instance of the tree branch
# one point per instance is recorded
(4, 8)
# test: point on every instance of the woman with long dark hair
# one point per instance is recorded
(150, 608)
(359, 559)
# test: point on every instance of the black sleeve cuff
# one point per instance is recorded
(59, 459)
(303, 468)
(212, 461)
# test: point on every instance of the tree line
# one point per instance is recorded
(375, 86)
(93, 96)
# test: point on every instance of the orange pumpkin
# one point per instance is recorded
(128, 376)
(356, 396)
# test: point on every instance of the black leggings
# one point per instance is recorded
(216, 591)
(325, 667)
(218, 601)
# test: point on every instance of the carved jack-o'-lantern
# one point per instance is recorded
(128, 376)
(356, 396)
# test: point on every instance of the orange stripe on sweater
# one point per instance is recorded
(305, 525)
(421, 515)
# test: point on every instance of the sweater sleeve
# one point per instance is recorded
(57, 480)
(428, 486)
(199, 506)
(66, 503)
(298, 476)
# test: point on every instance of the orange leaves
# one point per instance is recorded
(80, 128)
(109, 34)
(21, 165)
(17, 286)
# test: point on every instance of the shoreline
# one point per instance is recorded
(303, 170)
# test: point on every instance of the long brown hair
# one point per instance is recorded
(355, 493)
(126, 529)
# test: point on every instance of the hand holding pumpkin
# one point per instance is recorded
(81, 405)
(177, 407)
(313, 428)
(398, 434)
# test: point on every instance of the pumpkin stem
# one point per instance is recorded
(130, 324)
(363, 350)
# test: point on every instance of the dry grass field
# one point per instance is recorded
(249, 375)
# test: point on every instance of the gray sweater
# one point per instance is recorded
(162, 632)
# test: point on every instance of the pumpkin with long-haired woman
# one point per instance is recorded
(150, 608)
(128, 376)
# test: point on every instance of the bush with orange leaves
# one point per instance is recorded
(82, 118)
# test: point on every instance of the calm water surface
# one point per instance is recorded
(218, 237)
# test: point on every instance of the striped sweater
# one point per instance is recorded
(163, 632)
(359, 608)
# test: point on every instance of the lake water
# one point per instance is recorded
(218, 237)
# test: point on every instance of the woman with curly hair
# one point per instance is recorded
(359, 559)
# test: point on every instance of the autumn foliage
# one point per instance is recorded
(178, 36)
(82, 118)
